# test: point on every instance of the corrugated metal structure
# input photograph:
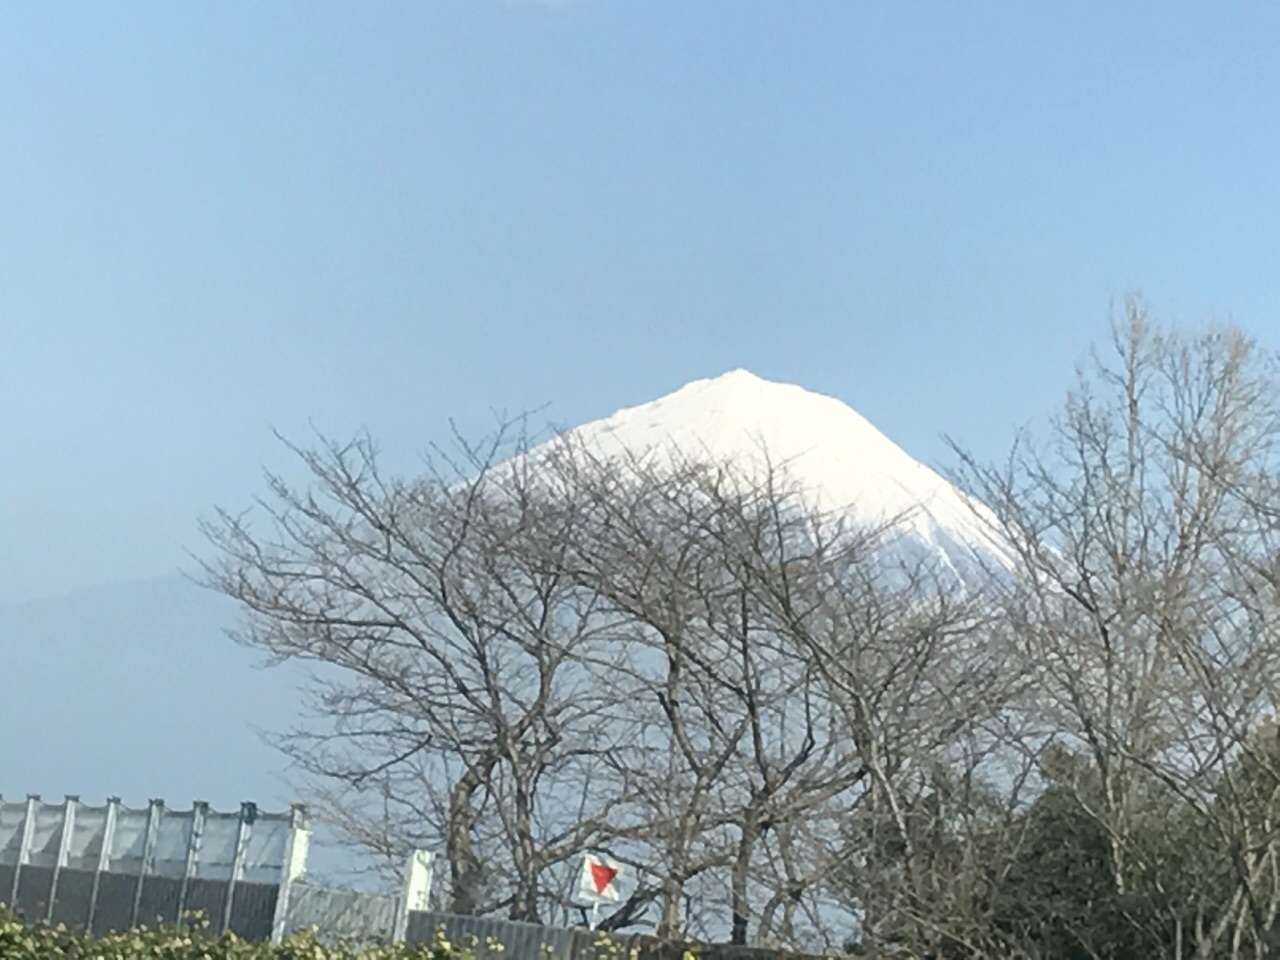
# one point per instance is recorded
(340, 914)
(350, 915)
(520, 941)
(111, 867)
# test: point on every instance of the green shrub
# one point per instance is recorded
(26, 941)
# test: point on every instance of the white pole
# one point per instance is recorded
(414, 892)
(595, 912)
(292, 868)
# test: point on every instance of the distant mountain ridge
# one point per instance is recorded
(131, 689)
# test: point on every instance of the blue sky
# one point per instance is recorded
(219, 218)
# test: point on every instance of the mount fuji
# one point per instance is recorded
(842, 465)
(148, 659)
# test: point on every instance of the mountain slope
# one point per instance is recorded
(842, 462)
(131, 689)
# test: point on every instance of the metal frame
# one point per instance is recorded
(24, 844)
(102, 833)
(155, 813)
(199, 814)
(104, 857)
(69, 807)
(248, 814)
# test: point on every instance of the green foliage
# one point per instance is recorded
(1060, 895)
(23, 941)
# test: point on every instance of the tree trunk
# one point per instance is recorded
(464, 868)
(741, 872)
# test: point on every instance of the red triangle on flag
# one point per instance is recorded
(602, 875)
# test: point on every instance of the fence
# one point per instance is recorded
(520, 941)
(348, 914)
(340, 914)
(112, 867)
(531, 941)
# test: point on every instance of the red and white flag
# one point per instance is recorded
(599, 880)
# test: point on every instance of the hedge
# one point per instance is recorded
(25, 941)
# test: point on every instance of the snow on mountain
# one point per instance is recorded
(839, 459)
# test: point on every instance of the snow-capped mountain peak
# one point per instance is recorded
(829, 450)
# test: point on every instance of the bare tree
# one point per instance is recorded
(1144, 604)
(790, 735)
(917, 686)
(794, 681)
(450, 645)
(733, 740)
